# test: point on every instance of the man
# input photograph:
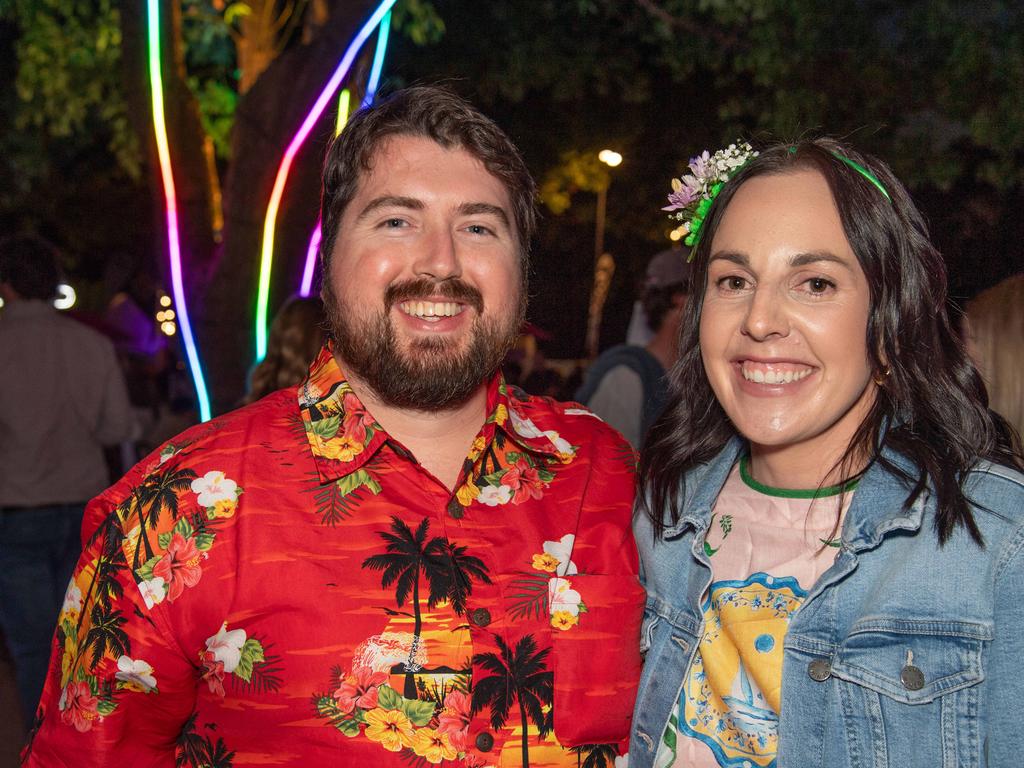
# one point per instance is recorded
(627, 384)
(62, 398)
(401, 561)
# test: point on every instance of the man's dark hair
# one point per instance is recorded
(658, 300)
(932, 406)
(29, 265)
(434, 113)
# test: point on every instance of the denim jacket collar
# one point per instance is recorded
(876, 509)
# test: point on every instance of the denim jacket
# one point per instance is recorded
(853, 696)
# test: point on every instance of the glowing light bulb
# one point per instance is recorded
(609, 157)
(66, 297)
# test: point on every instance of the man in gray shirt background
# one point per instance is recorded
(62, 398)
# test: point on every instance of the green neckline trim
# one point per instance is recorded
(792, 493)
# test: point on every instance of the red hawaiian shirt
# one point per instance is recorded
(286, 585)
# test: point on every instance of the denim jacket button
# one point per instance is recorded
(819, 670)
(912, 678)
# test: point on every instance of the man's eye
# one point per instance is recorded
(394, 223)
(478, 229)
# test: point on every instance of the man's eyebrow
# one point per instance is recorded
(475, 209)
(389, 201)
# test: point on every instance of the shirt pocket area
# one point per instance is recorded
(910, 661)
(597, 662)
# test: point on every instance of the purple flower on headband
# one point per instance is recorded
(680, 198)
(701, 165)
(684, 192)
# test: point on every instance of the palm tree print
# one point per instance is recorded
(448, 571)
(195, 750)
(157, 493)
(597, 755)
(521, 677)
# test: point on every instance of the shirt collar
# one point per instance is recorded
(343, 435)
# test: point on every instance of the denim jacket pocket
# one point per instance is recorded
(909, 691)
(910, 661)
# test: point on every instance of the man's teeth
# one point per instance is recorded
(431, 308)
(760, 375)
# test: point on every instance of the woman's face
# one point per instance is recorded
(784, 322)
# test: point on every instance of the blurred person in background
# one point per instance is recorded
(627, 384)
(994, 332)
(62, 399)
(296, 336)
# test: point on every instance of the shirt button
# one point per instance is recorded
(819, 670)
(912, 678)
(480, 616)
(484, 742)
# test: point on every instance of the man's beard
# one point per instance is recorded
(430, 374)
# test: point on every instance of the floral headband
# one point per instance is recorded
(693, 193)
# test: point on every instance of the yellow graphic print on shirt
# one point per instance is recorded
(731, 697)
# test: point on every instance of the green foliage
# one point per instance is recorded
(68, 82)
(251, 654)
(576, 171)
(211, 63)
(418, 20)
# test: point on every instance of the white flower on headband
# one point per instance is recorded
(693, 193)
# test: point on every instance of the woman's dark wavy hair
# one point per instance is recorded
(931, 407)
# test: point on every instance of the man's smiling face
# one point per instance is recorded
(425, 287)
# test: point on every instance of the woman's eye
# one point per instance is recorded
(819, 285)
(732, 283)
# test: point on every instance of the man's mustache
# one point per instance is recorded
(453, 289)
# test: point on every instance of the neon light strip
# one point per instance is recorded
(344, 104)
(267, 250)
(306, 287)
(378, 60)
(167, 175)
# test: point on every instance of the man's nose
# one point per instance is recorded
(438, 256)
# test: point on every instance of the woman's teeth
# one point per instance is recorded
(427, 309)
(760, 374)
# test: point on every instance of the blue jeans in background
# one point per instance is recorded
(39, 547)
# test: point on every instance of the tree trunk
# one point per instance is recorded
(267, 118)
(526, 747)
(417, 627)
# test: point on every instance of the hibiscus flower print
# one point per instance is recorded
(213, 673)
(357, 418)
(341, 448)
(561, 551)
(179, 567)
(433, 746)
(213, 487)
(226, 647)
(79, 706)
(153, 591)
(359, 689)
(135, 674)
(390, 728)
(454, 719)
(524, 481)
(494, 496)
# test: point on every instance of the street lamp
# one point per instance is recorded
(604, 264)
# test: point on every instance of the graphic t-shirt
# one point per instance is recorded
(767, 546)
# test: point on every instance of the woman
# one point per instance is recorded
(994, 330)
(296, 336)
(832, 524)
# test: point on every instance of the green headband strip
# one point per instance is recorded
(863, 172)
